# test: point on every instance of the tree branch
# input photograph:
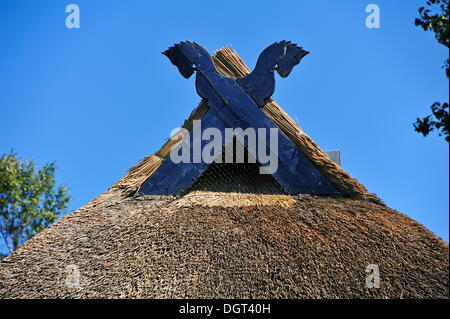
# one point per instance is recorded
(5, 239)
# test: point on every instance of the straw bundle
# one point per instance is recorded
(220, 199)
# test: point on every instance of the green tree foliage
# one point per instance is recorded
(435, 18)
(29, 199)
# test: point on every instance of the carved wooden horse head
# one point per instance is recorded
(259, 84)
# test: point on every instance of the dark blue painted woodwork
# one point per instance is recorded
(280, 56)
(171, 178)
(232, 107)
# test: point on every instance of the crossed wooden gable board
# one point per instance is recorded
(233, 107)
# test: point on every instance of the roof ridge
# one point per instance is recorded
(228, 62)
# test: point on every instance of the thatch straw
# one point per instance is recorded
(219, 199)
(161, 247)
(217, 245)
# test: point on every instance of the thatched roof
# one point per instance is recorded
(208, 244)
(231, 245)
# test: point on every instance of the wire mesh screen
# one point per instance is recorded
(236, 176)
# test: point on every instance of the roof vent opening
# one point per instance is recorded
(236, 177)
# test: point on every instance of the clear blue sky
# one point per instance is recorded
(99, 98)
